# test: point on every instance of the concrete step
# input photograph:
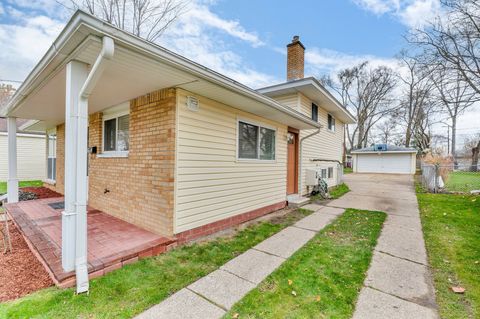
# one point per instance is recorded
(297, 201)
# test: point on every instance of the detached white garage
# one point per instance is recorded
(385, 159)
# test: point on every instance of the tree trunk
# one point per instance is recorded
(408, 136)
(475, 151)
(361, 133)
(454, 139)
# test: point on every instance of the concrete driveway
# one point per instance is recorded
(398, 283)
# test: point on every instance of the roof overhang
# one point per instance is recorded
(137, 68)
(314, 90)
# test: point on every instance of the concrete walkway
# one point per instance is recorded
(398, 283)
(213, 295)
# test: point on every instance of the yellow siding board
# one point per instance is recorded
(31, 158)
(211, 183)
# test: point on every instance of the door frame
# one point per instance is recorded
(296, 134)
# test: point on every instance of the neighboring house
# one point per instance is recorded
(383, 158)
(31, 153)
(173, 147)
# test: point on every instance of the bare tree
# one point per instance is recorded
(6, 92)
(144, 18)
(473, 144)
(415, 98)
(454, 94)
(367, 93)
(454, 37)
(386, 130)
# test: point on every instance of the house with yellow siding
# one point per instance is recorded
(166, 144)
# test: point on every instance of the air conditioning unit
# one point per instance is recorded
(311, 177)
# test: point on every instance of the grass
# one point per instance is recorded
(134, 288)
(339, 190)
(451, 225)
(463, 181)
(322, 279)
(347, 170)
(3, 185)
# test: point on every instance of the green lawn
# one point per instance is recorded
(134, 288)
(322, 279)
(451, 225)
(339, 190)
(3, 185)
(347, 170)
(463, 181)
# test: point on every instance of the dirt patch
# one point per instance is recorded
(20, 271)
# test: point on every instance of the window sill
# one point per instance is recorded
(113, 154)
(49, 181)
(253, 160)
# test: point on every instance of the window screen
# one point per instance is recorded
(110, 135)
(331, 123)
(255, 142)
(315, 112)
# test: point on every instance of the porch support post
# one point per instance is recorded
(12, 183)
(80, 172)
(76, 74)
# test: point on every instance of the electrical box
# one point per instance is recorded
(311, 177)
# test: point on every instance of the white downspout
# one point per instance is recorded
(81, 265)
(301, 159)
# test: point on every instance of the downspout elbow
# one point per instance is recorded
(108, 49)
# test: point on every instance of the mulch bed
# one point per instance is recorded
(20, 271)
(41, 192)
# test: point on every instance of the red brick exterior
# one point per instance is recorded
(226, 223)
(295, 60)
(139, 188)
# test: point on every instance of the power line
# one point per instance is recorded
(6, 80)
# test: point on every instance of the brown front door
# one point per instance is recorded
(292, 163)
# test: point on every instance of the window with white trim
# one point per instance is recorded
(116, 133)
(255, 142)
(324, 172)
(330, 172)
(52, 156)
(331, 123)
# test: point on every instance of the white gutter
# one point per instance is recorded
(148, 49)
(384, 152)
(81, 264)
(301, 158)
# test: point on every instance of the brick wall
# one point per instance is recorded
(295, 59)
(141, 186)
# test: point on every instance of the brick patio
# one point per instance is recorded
(112, 242)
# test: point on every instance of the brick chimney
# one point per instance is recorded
(295, 59)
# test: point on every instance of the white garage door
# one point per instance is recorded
(384, 163)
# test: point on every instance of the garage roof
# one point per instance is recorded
(389, 149)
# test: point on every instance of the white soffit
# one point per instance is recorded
(136, 69)
(314, 92)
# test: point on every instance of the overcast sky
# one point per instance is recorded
(245, 39)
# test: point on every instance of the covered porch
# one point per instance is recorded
(112, 243)
(92, 67)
